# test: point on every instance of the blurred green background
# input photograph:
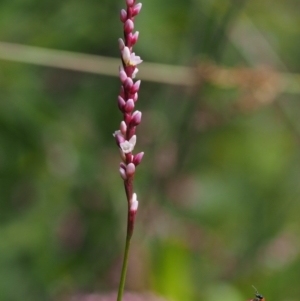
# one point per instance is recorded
(218, 188)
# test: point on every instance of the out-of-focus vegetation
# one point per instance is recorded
(219, 184)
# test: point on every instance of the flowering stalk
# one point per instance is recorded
(125, 136)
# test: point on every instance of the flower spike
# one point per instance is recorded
(125, 137)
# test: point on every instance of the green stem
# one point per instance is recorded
(124, 267)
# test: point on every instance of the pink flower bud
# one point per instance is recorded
(135, 97)
(129, 106)
(134, 38)
(130, 2)
(121, 44)
(137, 159)
(128, 26)
(128, 83)
(130, 170)
(123, 76)
(121, 103)
(123, 15)
(123, 128)
(123, 173)
(136, 9)
(135, 88)
(136, 118)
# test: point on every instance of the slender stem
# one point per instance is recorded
(124, 267)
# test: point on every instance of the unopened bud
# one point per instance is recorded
(122, 75)
(135, 97)
(136, 9)
(134, 206)
(123, 15)
(121, 44)
(126, 55)
(122, 173)
(123, 128)
(130, 2)
(128, 26)
(135, 88)
(134, 203)
(129, 106)
(136, 118)
(134, 38)
(121, 103)
(130, 170)
(137, 159)
(128, 83)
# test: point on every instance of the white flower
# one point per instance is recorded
(135, 60)
(130, 59)
(128, 146)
